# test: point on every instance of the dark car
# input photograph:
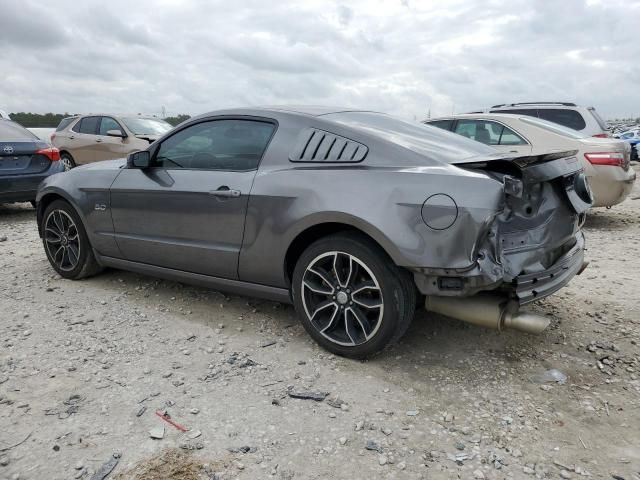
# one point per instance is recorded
(351, 216)
(25, 161)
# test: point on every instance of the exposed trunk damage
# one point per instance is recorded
(529, 249)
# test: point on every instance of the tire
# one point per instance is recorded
(378, 299)
(62, 229)
(68, 161)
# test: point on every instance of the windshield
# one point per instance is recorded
(553, 127)
(147, 126)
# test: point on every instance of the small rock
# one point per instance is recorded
(412, 413)
(342, 440)
(157, 433)
(386, 431)
(194, 411)
(3, 238)
(565, 474)
(372, 445)
(479, 474)
(194, 434)
(402, 465)
(79, 466)
(382, 460)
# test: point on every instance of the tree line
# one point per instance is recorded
(51, 120)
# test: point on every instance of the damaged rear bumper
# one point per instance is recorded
(534, 286)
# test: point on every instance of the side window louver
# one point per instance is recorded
(319, 146)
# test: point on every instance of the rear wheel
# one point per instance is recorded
(351, 298)
(67, 161)
(66, 243)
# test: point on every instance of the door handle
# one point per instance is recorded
(71, 137)
(225, 192)
(98, 140)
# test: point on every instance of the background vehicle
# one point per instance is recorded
(583, 119)
(4, 115)
(345, 214)
(25, 161)
(91, 138)
(632, 137)
(605, 160)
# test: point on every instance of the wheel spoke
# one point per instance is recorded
(323, 276)
(51, 235)
(364, 286)
(348, 327)
(57, 219)
(332, 320)
(342, 262)
(73, 254)
(362, 320)
(318, 288)
(369, 303)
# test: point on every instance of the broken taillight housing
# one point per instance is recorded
(615, 159)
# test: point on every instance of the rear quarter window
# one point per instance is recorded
(64, 123)
(564, 117)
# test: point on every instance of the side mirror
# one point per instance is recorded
(115, 133)
(139, 160)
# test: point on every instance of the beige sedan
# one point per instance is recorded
(605, 160)
(91, 138)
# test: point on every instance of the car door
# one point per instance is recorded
(82, 140)
(108, 147)
(494, 134)
(187, 211)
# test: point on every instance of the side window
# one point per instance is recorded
(480, 131)
(444, 124)
(76, 127)
(88, 125)
(216, 145)
(108, 123)
(567, 118)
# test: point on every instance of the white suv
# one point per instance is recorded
(583, 119)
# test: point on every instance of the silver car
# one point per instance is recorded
(351, 216)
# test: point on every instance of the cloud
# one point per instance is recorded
(402, 57)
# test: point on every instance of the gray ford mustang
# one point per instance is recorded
(352, 216)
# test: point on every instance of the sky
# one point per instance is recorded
(404, 57)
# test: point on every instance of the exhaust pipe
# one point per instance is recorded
(488, 311)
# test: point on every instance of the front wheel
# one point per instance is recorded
(66, 243)
(351, 298)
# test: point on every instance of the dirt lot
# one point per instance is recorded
(85, 366)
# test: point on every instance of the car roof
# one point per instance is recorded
(117, 115)
(306, 110)
(489, 116)
(535, 104)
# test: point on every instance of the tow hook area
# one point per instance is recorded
(490, 311)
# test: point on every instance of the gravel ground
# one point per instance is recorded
(87, 367)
